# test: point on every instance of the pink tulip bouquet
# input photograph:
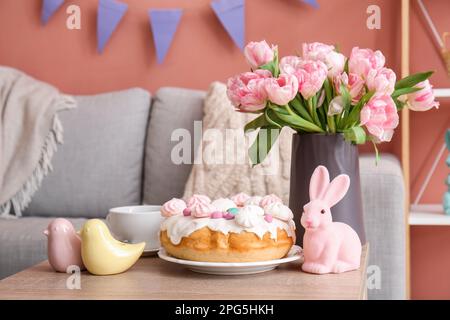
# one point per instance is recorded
(323, 91)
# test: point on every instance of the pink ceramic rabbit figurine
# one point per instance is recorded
(328, 247)
(64, 245)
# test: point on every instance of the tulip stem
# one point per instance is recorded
(300, 108)
(313, 112)
(339, 120)
(331, 124)
(310, 107)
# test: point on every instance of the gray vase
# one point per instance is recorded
(339, 156)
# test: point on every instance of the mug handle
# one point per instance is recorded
(108, 218)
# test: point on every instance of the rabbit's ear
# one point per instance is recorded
(319, 183)
(336, 190)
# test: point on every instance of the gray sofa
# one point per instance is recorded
(117, 152)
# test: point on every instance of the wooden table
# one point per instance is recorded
(153, 278)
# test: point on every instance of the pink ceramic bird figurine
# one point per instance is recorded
(328, 247)
(64, 245)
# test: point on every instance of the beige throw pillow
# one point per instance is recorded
(222, 167)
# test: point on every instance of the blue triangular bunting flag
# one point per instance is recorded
(109, 14)
(231, 14)
(312, 3)
(49, 7)
(164, 23)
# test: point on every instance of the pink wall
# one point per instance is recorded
(202, 52)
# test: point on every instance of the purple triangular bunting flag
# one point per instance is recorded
(109, 14)
(312, 3)
(231, 14)
(164, 24)
(49, 7)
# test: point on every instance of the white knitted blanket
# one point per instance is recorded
(29, 134)
(222, 177)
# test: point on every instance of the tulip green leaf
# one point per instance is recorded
(412, 80)
(402, 91)
(356, 135)
(270, 117)
(263, 143)
(272, 66)
(298, 122)
(346, 97)
(353, 117)
(256, 123)
(300, 109)
(399, 104)
(328, 90)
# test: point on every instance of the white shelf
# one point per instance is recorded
(442, 93)
(428, 215)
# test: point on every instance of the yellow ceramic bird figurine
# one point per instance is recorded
(104, 255)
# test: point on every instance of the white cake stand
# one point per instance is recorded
(233, 268)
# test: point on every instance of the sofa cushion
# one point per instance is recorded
(22, 243)
(172, 109)
(383, 193)
(100, 164)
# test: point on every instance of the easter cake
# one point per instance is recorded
(239, 229)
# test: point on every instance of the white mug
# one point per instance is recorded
(135, 224)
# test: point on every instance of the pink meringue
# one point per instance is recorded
(240, 199)
(203, 210)
(196, 199)
(173, 207)
(271, 198)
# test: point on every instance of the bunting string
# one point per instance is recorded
(163, 22)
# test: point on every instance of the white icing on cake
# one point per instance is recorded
(223, 204)
(252, 210)
(180, 226)
(279, 210)
(248, 216)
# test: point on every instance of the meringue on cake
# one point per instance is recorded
(227, 230)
